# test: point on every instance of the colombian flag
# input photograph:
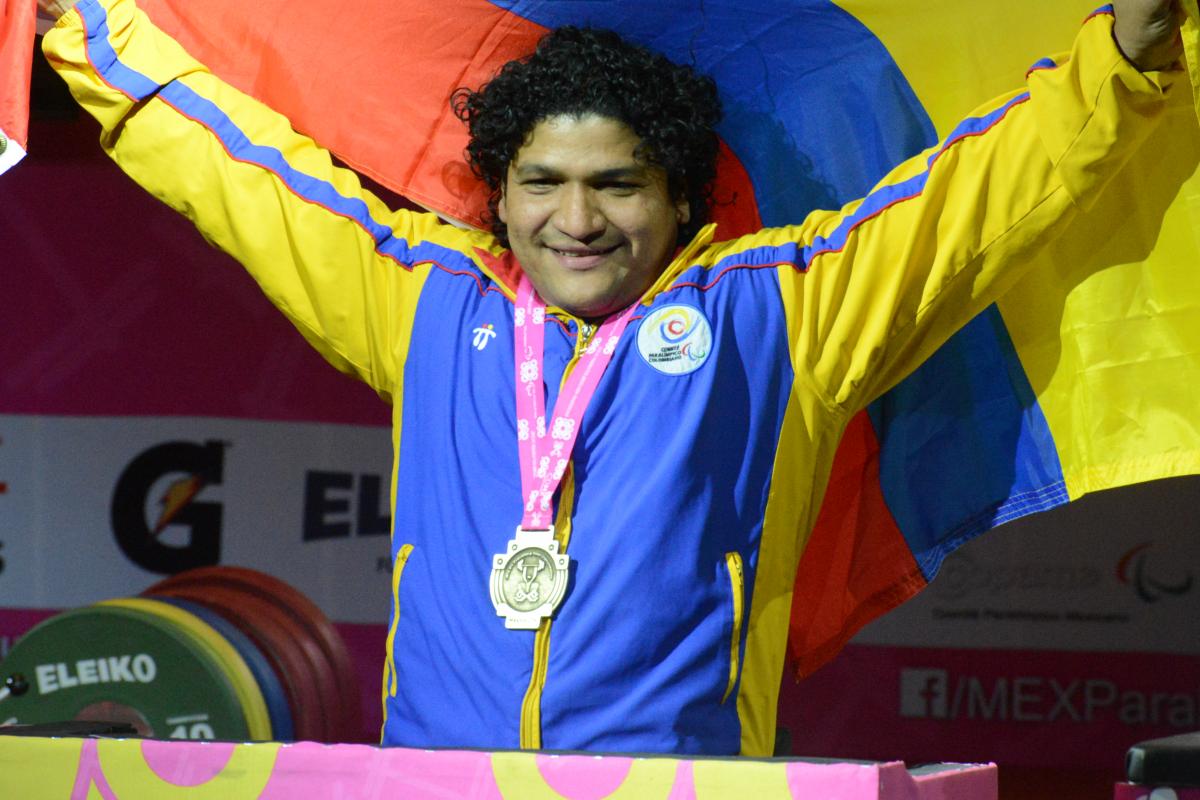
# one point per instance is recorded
(1080, 379)
(17, 22)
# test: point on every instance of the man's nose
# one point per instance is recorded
(578, 215)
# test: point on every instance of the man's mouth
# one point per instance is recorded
(581, 257)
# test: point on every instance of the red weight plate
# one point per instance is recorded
(297, 658)
(293, 600)
(347, 724)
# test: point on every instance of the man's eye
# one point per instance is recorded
(621, 187)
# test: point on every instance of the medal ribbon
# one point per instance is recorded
(545, 452)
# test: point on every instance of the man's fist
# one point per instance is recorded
(56, 8)
(1147, 31)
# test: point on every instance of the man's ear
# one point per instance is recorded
(502, 208)
(683, 211)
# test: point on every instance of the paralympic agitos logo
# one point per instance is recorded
(170, 475)
(1135, 569)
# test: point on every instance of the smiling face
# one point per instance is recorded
(591, 224)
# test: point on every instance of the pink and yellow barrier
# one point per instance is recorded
(84, 769)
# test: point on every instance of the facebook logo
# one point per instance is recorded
(923, 693)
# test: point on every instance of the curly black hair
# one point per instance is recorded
(578, 71)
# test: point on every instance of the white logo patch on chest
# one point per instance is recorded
(675, 339)
(482, 335)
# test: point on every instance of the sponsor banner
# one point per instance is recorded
(1056, 642)
(1116, 571)
(94, 508)
(1020, 708)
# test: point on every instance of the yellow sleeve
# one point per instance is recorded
(343, 267)
(879, 285)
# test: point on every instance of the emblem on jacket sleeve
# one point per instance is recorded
(529, 579)
(675, 339)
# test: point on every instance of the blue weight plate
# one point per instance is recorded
(272, 689)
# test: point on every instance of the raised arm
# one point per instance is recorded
(876, 287)
(344, 268)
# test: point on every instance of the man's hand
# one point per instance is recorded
(1147, 31)
(56, 8)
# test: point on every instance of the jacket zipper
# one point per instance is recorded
(531, 706)
(737, 583)
(390, 679)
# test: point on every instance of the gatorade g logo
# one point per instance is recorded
(156, 492)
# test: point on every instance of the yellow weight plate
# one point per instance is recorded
(258, 721)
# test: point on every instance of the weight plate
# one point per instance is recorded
(309, 614)
(298, 660)
(347, 723)
(258, 723)
(121, 664)
(264, 674)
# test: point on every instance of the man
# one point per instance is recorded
(656, 421)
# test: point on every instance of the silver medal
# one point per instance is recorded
(529, 579)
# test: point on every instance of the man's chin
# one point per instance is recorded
(590, 309)
(586, 311)
(590, 296)
(581, 301)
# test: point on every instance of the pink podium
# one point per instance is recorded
(82, 769)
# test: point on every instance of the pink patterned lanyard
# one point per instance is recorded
(542, 467)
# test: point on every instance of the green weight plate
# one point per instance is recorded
(121, 664)
(236, 670)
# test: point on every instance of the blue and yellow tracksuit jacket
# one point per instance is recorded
(690, 496)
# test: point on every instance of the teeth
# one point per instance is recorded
(576, 254)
